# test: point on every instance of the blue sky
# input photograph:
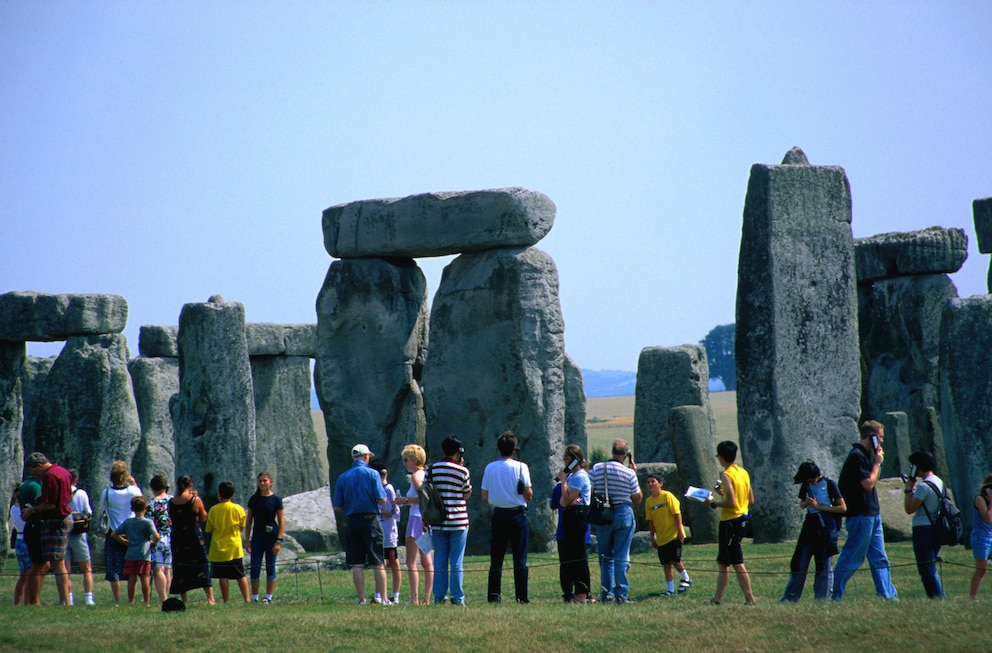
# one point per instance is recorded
(170, 151)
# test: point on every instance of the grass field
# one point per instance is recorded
(317, 612)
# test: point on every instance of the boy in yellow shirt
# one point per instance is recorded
(226, 523)
(664, 515)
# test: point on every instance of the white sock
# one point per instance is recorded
(671, 585)
(72, 600)
(254, 597)
(685, 574)
(268, 596)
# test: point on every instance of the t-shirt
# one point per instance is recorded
(56, 489)
(158, 512)
(263, 515)
(390, 533)
(740, 482)
(30, 492)
(225, 521)
(661, 511)
(452, 482)
(857, 467)
(930, 499)
(138, 531)
(500, 480)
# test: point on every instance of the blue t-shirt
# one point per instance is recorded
(138, 531)
(263, 515)
(580, 481)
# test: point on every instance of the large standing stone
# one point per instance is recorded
(694, 444)
(496, 363)
(215, 412)
(798, 377)
(438, 224)
(32, 316)
(34, 374)
(966, 389)
(87, 416)
(667, 377)
(575, 406)
(12, 355)
(930, 251)
(982, 210)
(371, 346)
(285, 440)
(155, 382)
(899, 322)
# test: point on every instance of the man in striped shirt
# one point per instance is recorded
(451, 478)
(614, 539)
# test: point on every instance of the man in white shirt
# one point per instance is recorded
(506, 487)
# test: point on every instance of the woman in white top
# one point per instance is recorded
(79, 543)
(414, 459)
(923, 501)
(116, 502)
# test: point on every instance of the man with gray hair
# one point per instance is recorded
(616, 478)
(52, 509)
(359, 494)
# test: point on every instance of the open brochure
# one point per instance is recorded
(697, 493)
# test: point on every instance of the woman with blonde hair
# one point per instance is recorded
(116, 503)
(414, 459)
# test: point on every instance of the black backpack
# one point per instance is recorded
(432, 509)
(947, 523)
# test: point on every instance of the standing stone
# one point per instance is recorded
(575, 406)
(899, 323)
(982, 210)
(87, 416)
(438, 224)
(667, 377)
(798, 377)
(215, 412)
(966, 389)
(694, 444)
(41, 317)
(285, 440)
(935, 443)
(155, 382)
(158, 341)
(371, 346)
(496, 363)
(34, 374)
(897, 444)
(12, 355)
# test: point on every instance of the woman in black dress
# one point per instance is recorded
(189, 556)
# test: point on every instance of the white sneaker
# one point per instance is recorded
(90, 601)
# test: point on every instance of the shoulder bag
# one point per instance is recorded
(600, 510)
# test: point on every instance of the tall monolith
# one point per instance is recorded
(155, 382)
(12, 355)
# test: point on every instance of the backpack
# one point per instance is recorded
(432, 510)
(947, 523)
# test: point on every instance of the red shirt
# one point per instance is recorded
(56, 489)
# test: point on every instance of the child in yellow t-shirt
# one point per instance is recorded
(226, 523)
(664, 515)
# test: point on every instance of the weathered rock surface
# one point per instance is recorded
(42, 317)
(214, 411)
(966, 386)
(899, 322)
(268, 339)
(155, 382)
(575, 405)
(798, 376)
(438, 224)
(310, 520)
(931, 251)
(34, 373)
(897, 526)
(285, 440)
(982, 212)
(158, 341)
(496, 363)
(897, 444)
(693, 444)
(12, 355)
(371, 346)
(666, 377)
(87, 415)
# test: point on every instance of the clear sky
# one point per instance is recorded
(169, 151)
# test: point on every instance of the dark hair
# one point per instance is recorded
(225, 490)
(158, 483)
(807, 470)
(139, 503)
(507, 443)
(74, 474)
(656, 476)
(183, 482)
(923, 460)
(379, 466)
(727, 450)
(451, 445)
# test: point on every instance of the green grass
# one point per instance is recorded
(317, 612)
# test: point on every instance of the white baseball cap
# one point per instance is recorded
(360, 450)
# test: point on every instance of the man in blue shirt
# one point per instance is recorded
(359, 494)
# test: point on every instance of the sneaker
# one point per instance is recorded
(623, 600)
(266, 601)
(380, 601)
(90, 601)
(363, 602)
(684, 585)
(667, 593)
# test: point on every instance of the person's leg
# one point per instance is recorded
(62, 582)
(397, 575)
(209, 591)
(271, 572)
(878, 561)
(442, 549)
(925, 550)
(824, 574)
(604, 543)
(132, 583)
(380, 580)
(86, 567)
(457, 557)
(853, 554)
(36, 578)
(427, 562)
(798, 568)
(976, 579)
(722, 577)
(243, 586)
(500, 532)
(519, 541)
(412, 554)
(621, 550)
(358, 578)
(744, 580)
(146, 589)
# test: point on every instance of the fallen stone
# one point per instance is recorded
(311, 521)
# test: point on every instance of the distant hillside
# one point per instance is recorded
(609, 383)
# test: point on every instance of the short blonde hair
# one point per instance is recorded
(118, 473)
(415, 452)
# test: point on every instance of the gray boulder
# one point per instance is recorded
(496, 363)
(34, 373)
(575, 405)
(931, 251)
(311, 521)
(798, 375)
(33, 316)
(666, 377)
(158, 341)
(12, 355)
(438, 224)
(371, 345)
(285, 440)
(87, 416)
(694, 444)
(155, 382)
(214, 411)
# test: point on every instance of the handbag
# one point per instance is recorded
(81, 523)
(104, 518)
(600, 510)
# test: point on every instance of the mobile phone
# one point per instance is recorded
(874, 442)
(572, 465)
(912, 471)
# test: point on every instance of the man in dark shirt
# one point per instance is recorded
(864, 523)
(55, 518)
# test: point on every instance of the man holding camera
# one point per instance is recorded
(614, 539)
(506, 487)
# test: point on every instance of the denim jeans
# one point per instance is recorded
(926, 550)
(809, 547)
(614, 541)
(864, 538)
(509, 526)
(449, 551)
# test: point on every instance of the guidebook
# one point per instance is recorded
(700, 494)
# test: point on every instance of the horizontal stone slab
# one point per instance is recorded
(982, 210)
(270, 339)
(438, 224)
(158, 341)
(930, 251)
(42, 317)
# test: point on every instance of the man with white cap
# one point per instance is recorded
(359, 494)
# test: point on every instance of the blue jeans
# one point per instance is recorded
(262, 548)
(509, 526)
(449, 550)
(864, 538)
(809, 547)
(614, 541)
(926, 550)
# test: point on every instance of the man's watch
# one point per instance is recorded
(713, 506)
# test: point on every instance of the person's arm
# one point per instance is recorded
(876, 469)
(984, 506)
(280, 516)
(728, 493)
(249, 522)
(653, 534)
(529, 489)
(680, 527)
(485, 496)
(199, 508)
(911, 503)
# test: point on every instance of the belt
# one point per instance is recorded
(364, 515)
(513, 509)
